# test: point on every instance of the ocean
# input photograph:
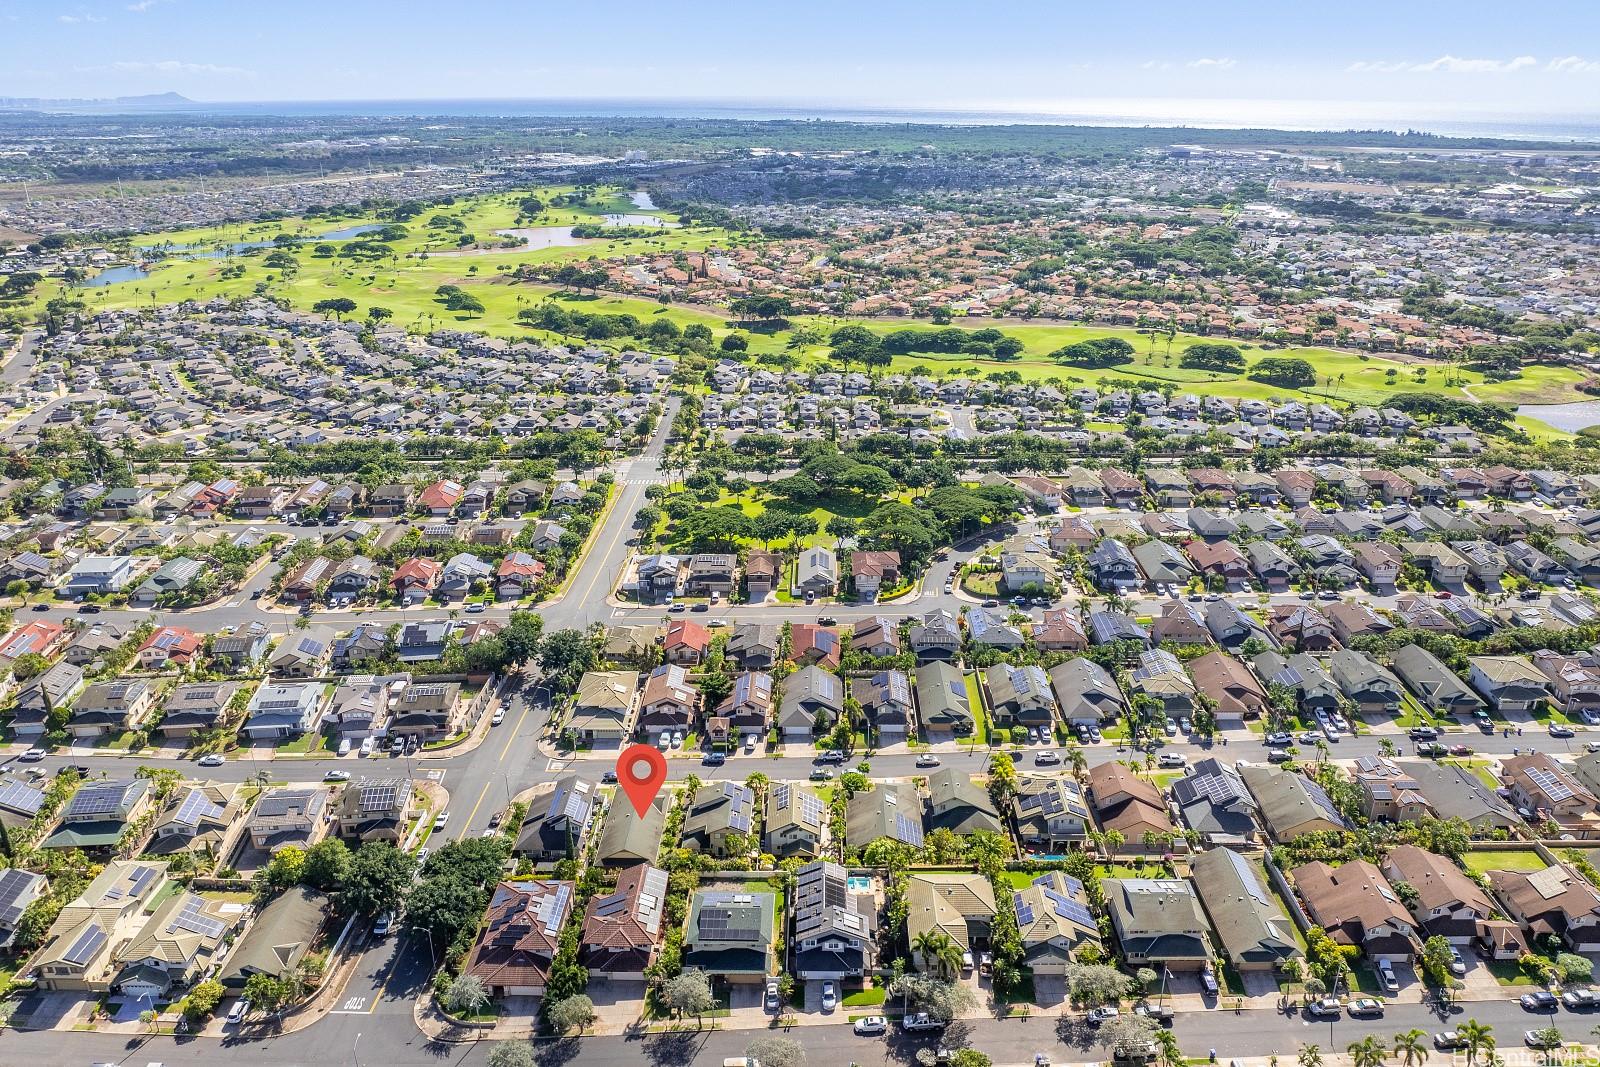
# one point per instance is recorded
(1127, 112)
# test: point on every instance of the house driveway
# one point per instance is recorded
(744, 1006)
(618, 1004)
(1049, 990)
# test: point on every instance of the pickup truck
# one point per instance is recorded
(920, 1021)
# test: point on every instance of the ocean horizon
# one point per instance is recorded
(1175, 113)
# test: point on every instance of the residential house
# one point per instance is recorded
(519, 937)
(1132, 806)
(1357, 906)
(1158, 923)
(1291, 804)
(1252, 931)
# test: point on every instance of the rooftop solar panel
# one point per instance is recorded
(88, 942)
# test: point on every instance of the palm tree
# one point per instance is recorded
(1310, 1056)
(1078, 762)
(1476, 1037)
(937, 951)
(1368, 1052)
(1410, 1047)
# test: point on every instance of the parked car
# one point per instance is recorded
(1558, 730)
(831, 755)
(440, 820)
(1386, 975)
(1326, 1007)
(927, 759)
(1366, 1007)
(1431, 749)
(336, 776)
(1447, 1041)
(1541, 1039)
(921, 1021)
(33, 755)
(1046, 758)
(1208, 979)
(871, 1025)
(830, 996)
(1172, 759)
(821, 774)
(1280, 739)
(212, 759)
(1542, 1000)
(382, 925)
(770, 999)
(498, 717)
(1099, 1015)
(1458, 966)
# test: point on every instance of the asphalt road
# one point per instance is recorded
(358, 1037)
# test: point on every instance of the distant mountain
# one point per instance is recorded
(147, 102)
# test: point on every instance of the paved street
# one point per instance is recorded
(385, 1038)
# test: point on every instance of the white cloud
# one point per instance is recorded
(79, 18)
(169, 66)
(1573, 65)
(141, 6)
(1219, 64)
(1444, 64)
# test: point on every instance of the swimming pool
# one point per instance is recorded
(857, 883)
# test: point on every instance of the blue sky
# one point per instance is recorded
(1425, 56)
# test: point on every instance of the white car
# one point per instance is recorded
(770, 1000)
(33, 755)
(830, 996)
(212, 759)
(498, 717)
(1046, 758)
(1172, 759)
(871, 1025)
(336, 776)
(1097, 1016)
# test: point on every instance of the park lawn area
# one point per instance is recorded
(1511, 859)
(982, 583)
(427, 258)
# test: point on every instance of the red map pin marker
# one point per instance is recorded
(640, 771)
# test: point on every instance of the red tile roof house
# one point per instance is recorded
(416, 575)
(169, 645)
(39, 638)
(517, 576)
(1060, 631)
(1221, 560)
(441, 497)
(520, 936)
(621, 928)
(1357, 906)
(686, 642)
(871, 571)
(812, 644)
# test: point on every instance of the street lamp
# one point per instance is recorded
(353, 1044)
(433, 962)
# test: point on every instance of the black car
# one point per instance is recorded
(41, 607)
(89, 609)
(608, 778)
(1543, 1000)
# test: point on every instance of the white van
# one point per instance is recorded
(367, 745)
(240, 1009)
(344, 747)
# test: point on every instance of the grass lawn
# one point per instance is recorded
(1511, 859)
(865, 998)
(1506, 972)
(304, 745)
(980, 717)
(1021, 879)
(427, 257)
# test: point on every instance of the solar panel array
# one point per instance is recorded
(552, 908)
(102, 798)
(197, 806)
(729, 922)
(380, 796)
(192, 918)
(908, 828)
(12, 884)
(20, 797)
(1553, 785)
(1067, 908)
(89, 942)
